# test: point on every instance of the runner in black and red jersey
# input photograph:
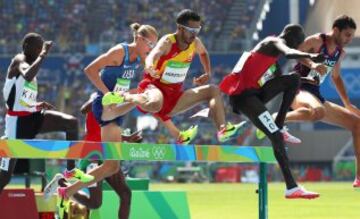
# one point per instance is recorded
(255, 80)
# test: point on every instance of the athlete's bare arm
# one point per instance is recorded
(162, 48)
(20, 66)
(113, 57)
(295, 54)
(340, 87)
(312, 44)
(205, 61)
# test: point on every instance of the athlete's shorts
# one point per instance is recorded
(93, 130)
(171, 95)
(23, 127)
(313, 89)
(97, 109)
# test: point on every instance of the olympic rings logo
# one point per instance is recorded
(158, 152)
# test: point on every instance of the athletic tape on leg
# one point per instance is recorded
(4, 164)
(267, 120)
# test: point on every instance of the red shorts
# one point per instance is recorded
(171, 94)
(93, 130)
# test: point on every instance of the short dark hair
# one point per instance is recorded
(184, 16)
(31, 38)
(293, 28)
(343, 22)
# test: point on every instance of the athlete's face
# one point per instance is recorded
(344, 37)
(33, 50)
(190, 31)
(146, 44)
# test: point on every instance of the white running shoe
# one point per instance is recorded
(288, 137)
(51, 187)
(300, 192)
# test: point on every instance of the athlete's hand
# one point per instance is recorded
(317, 57)
(320, 68)
(46, 47)
(153, 72)
(202, 79)
(44, 106)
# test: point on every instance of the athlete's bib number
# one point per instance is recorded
(175, 72)
(29, 95)
(268, 75)
(314, 75)
(122, 85)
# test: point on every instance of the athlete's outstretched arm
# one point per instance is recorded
(162, 48)
(19, 66)
(296, 54)
(312, 44)
(205, 62)
(113, 57)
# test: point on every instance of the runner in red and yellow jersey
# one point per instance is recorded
(166, 67)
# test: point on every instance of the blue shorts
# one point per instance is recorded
(97, 109)
(313, 89)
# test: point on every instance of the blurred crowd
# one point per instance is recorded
(90, 26)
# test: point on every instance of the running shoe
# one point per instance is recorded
(231, 131)
(300, 193)
(289, 138)
(112, 98)
(356, 183)
(51, 187)
(187, 136)
(79, 175)
(63, 203)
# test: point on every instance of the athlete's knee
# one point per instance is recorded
(355, 128)
(214, 90)
(153, 106)
(317, 113)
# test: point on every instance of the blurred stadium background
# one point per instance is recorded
(82, 29)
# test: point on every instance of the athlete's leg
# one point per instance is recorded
(118, 183)
(151, 100)
(256, 111)
(110, 132)
(8, 166)
(286, 84)
(195, 96)
(340, 116)
(91, 201)
(58, 121)
(114, 111)
(170, 126)
(306, 107)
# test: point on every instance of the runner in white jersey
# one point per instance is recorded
(25, 116)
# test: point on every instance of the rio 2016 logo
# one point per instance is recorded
(147, 153)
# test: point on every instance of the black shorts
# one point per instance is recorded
(23, 127)
(313, 89)
(237, 100)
